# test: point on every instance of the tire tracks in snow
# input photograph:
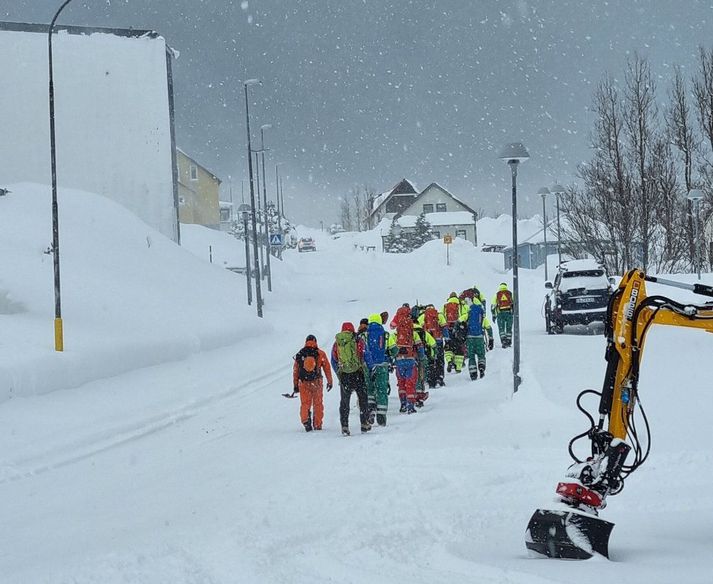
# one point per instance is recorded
(84, 448)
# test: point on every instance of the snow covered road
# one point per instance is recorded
(198, 470)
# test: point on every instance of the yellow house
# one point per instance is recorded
(198, 193)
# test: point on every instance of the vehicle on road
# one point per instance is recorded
(579, 295)
(306, 244)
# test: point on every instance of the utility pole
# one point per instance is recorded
(268, 247)
(258, 292)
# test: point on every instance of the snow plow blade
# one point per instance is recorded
(567, 535)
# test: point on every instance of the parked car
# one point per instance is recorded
(306, 244)
(580, 295)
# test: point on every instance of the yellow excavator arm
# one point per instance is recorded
(576, 531)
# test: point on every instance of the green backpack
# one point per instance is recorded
(347, 352)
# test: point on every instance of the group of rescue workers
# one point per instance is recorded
(422, 344)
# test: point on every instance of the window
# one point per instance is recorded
(193, 170)
(225, 214)
(437, 235)
(461, 233)
(441, 207)
(181, 200)
(428, 208)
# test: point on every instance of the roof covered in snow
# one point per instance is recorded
(403, 187)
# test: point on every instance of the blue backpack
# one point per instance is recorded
(375, 352)
(475, 320)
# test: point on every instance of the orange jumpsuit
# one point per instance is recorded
(311, 391)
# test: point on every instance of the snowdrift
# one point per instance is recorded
(130, 297)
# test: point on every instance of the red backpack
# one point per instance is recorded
(503, 299)
(452, 311)
(404, 327)
(430, 322)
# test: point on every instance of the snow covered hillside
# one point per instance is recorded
(172, 457)
(130, 297)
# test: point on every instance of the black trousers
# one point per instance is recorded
(348, 383)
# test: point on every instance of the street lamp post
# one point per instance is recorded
(543, 192)
(58, 328)
(244, 211)
(514, 154)
(558, 190)
(268, 247)
(695, 196)
(259, 213)
(279, 207)
(258, 293)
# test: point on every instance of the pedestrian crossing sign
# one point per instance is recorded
(276, 239)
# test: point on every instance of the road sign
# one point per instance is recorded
(447, 239)
(276, 239)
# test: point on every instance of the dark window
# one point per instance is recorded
(461, 233)
(428, 208)
(437, 234)
(441, 207)
(193, 172)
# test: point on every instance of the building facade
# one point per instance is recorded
(198, 193)
(445, 212)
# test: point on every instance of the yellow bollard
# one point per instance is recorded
(58, 335)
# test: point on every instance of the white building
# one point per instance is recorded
(113, 115)
(447, 214)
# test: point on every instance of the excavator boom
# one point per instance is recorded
(575, 531)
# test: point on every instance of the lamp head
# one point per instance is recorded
(558, 189)
(249, 82)
(544, 191)
(266, 126)
(514, 152)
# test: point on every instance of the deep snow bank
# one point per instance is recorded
(130, 297)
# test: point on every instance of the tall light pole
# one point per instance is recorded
(558, 190)
(695, 196)
(258, 292)
(259, 210)
(58, 328)
(268, 248)
(514, 154)
(244, 211)
(543, 192)
(279, 207)
(282, 197)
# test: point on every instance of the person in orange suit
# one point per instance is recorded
(310, 362)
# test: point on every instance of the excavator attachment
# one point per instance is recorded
(567, 535)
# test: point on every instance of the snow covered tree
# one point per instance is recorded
(401, 243)
(423, 232)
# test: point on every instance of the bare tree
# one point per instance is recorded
(368, 195)
(345, 214)
(703, 93)
(683, 138)
(601, 217)
(640, 119)
(669, 244)
(358, 208)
